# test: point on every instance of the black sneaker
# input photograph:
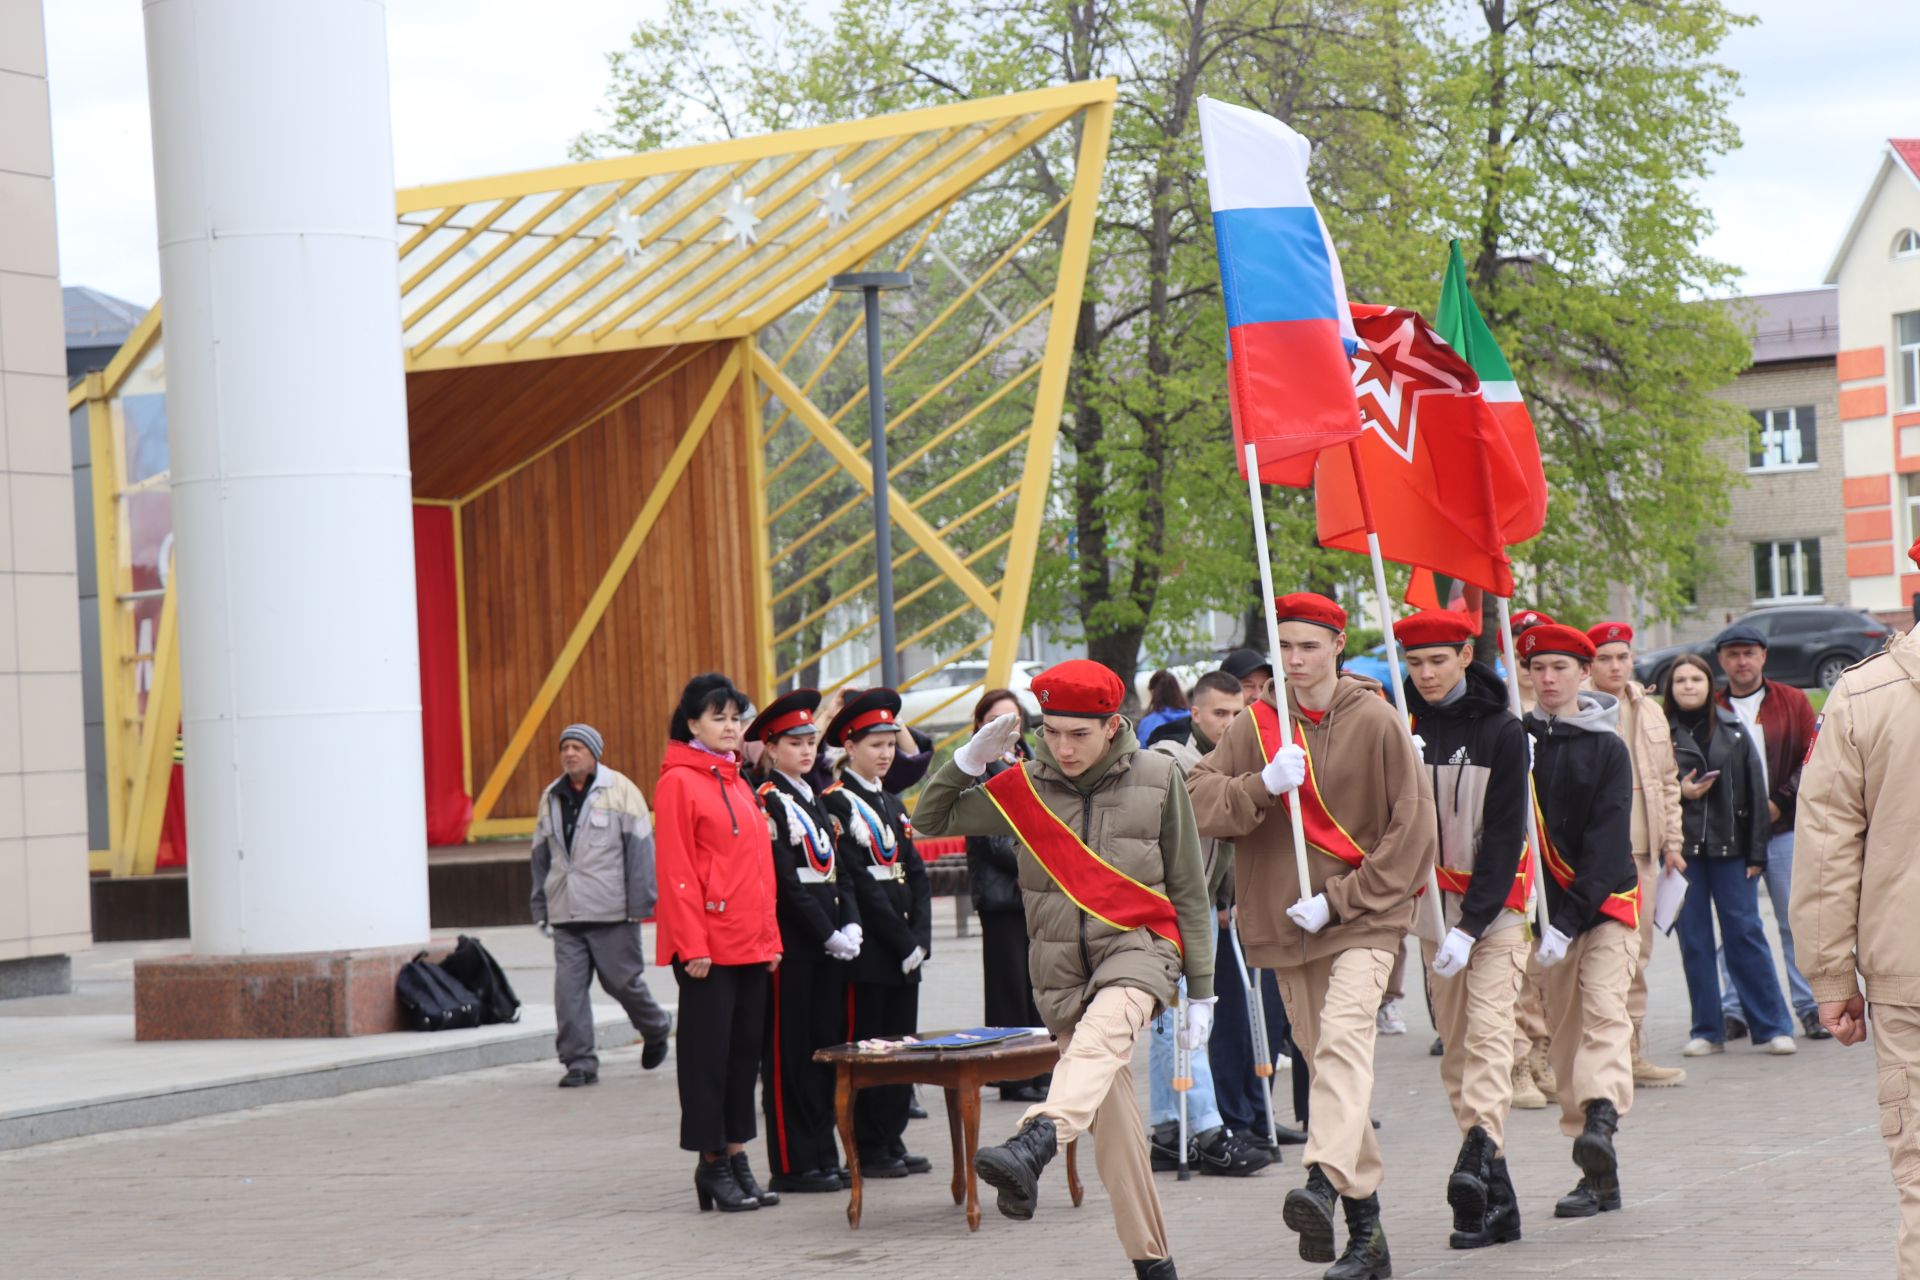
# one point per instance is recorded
(1226, 1154)
(579, 1078)
(1736, 1027)
(1164, 1148)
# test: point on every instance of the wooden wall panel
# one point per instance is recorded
(537, 545)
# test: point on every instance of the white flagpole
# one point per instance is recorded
(1273, 653)
(1513, 704)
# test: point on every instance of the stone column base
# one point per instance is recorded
(268, 997)
(35, 976)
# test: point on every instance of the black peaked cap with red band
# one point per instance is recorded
(1433, 628)
(1079, 687)
(1551, 637)
(1306, 606)
(790, 713)
(865, 711)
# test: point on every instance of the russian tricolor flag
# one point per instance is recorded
(1289, 334)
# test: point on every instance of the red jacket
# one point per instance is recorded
(1787, 723)
(714, 862)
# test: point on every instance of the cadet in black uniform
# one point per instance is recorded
(819, 932)
(896, 909)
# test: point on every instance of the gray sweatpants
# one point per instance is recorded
(613, 952)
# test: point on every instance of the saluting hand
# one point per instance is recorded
(992, 741)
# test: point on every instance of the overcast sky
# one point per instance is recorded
(492, 86)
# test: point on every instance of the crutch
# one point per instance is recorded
(1182, 1076)
(1262, 1051)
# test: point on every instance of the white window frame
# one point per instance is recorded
(1906, 244)
(1768, 423)
(1805, 550)
(1906, 364)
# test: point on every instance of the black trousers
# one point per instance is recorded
(1236, 1089)
(806, 1011)
(1003, 959)
(880, 1114)
(722, 1022)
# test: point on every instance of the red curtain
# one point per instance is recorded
(449, 808)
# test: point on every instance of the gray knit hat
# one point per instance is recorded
(587, 736)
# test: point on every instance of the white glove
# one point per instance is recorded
(1199, 1023)
(840, 946)
(1311, 914)
(991, 741)
(1286, 771)
(546, 930)
(1453, 953)
(915, 958)
(1553, 947)
(1419, 746)
(855, 934)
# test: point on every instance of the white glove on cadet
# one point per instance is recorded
(1311, 914)
(1286, 771)
(1199, 1023)
(840, 946)
(1553, 947)
(915, 958)
(1420, 746)
(991, 741)
(1453, 953)
(855, 934)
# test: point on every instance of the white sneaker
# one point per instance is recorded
(1389, 1022)
(1698, 1048)
(1781, 1045)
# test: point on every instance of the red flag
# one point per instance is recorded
(1437, 458)
(1423, 592)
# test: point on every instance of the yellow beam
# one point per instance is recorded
(735, 151)
(153, 766)
(497, 828)
(911, 522)
(580, 344)
(109, 584)
(131, 351)
(426, 229)
(762, 570)
(484, 261)
(1050, 396)
(609, 583)
(460, 242)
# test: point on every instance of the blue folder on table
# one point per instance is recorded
(974, 1038)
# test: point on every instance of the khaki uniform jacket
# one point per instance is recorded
(1374, 786)
(1656, 779)
(1856, 875)
(1131, 808)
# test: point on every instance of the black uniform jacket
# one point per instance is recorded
(1584, 778)
(896, 902)
(810, 904)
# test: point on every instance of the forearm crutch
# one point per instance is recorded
(1262, 1051)
(1182, 1076)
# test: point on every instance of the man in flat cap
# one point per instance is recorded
(592, 886)
(1118, 912)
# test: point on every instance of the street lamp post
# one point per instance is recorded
(870, 284)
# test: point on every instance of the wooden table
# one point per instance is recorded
(961, 1073)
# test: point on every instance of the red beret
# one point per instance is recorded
(1551, 637)
(1305, 606)
(1530, 618)
(1432, 628)
(1078, 687)
(1610, 633)
(1913, 553)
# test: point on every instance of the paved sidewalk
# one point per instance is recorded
(1756, 1167)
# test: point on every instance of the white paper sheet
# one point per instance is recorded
(1668, 893)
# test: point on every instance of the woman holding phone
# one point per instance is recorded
(1723, 804)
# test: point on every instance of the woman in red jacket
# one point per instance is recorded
(715, 925)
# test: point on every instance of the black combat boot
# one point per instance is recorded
(1366, 1257)
(1593, 1149)
(1502, 1223)
(1154, 1269)
(1467, 1188)
(1597, 1193)
(1013, 1168)
(1309, 1211)
(749, 1185)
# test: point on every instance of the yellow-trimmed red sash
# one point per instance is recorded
(1624, 907)
(1096, 886)
(1323, 830)
(1518, 896)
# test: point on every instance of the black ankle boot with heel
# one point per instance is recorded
(714, 1184)
(749, 1186)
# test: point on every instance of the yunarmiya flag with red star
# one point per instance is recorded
(1453, 479)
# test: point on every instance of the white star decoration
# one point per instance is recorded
(1382, 377)
(626, 234)
(740, 218)
(835, 196)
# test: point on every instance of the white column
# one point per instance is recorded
(273, 164)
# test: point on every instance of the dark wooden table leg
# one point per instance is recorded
(1074, 1188)
(843, 1096)
(959, 1187)
(970, 1123)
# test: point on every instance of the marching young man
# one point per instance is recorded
(820, 932)
(1476, 751)
(1657, 840)
(1117, 908)
(1584, 783)
(895, 904)
(1533, 1082)
(1367, 807)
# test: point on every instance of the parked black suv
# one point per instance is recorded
(1807, 646)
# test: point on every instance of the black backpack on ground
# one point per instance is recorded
(474, 967)
(433, 999)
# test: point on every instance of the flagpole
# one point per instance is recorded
(1513, 704)
(1273, 652)
(1432, 917)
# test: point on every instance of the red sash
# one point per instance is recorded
(1517, 897)
(1096, 886)
(1624, 907)
(1323, 830)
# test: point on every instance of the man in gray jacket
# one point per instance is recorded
(592, 886)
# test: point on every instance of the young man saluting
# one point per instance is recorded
(1584, 783)
(1117, 908)
(1367, 807)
